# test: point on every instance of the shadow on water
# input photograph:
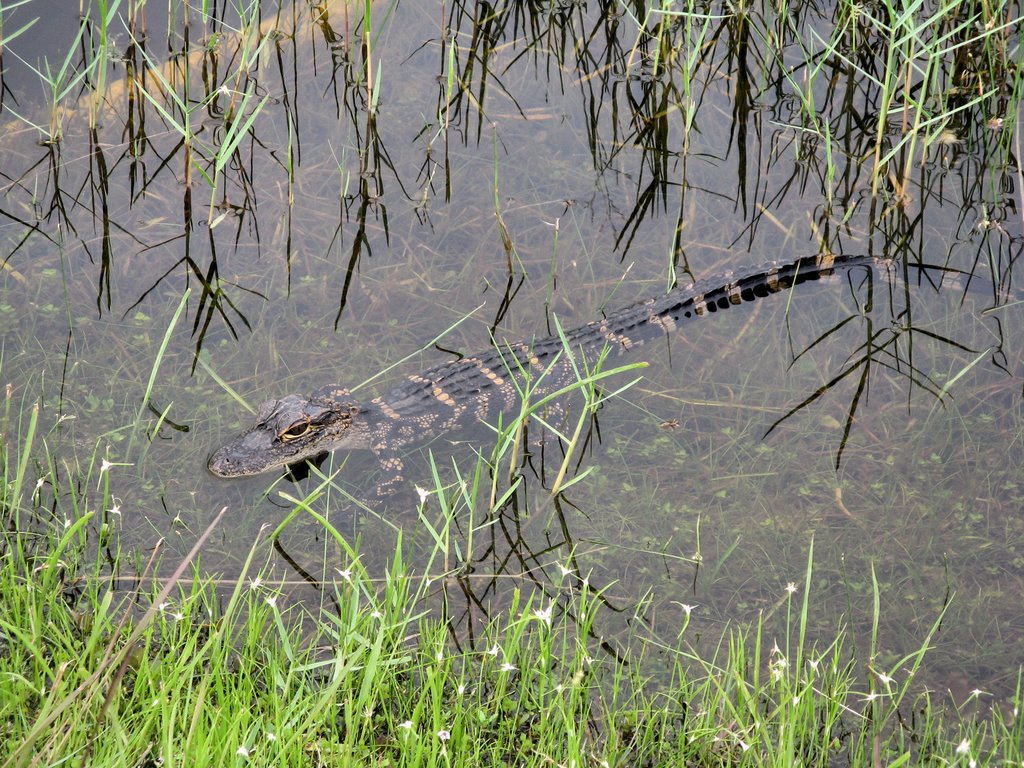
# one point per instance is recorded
(337, 190)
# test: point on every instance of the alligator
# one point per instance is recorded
(481, 387)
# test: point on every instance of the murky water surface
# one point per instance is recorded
(493, 168)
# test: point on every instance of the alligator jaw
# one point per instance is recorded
(246, 455)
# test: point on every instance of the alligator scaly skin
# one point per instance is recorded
(481, 387)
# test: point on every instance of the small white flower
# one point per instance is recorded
(544, 614)
(565, 571)
(242, 752)
(461, 689)
(443, 735)
(494, 650)
(271, 736)
(778, 668)
(271, 600)
(687, 609)
(423, 493)
(255, 583)
(104, 466)
(964, 747)
(791, 587)
(346, 575)
(507, 667)
(407, 725)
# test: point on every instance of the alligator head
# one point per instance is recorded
(291, 430)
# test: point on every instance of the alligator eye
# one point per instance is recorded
(295, 431)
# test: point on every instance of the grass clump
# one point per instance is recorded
(189, 670)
